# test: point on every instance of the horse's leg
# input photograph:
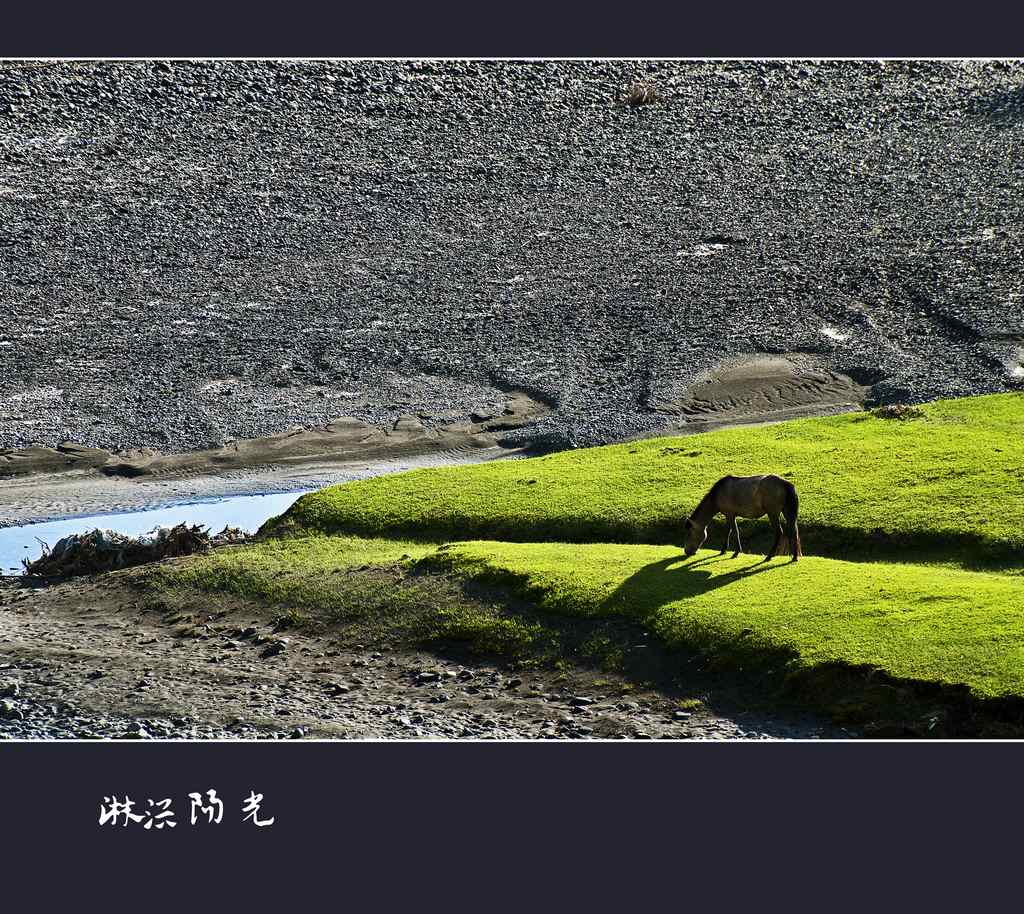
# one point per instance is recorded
(729, 522)
(736, 530)
(777, 527)
(793, 532)
(797, 551)
(790, 510)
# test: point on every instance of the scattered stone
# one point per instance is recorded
(275, 647)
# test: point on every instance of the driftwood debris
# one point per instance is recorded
(107, 550)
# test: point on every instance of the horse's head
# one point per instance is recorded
(695, 536)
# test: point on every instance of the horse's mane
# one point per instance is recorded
(705, 501)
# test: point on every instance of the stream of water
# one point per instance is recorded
(245, 511)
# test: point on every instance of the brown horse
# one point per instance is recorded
(746, 496)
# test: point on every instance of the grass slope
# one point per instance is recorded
(936, 625)
(290, 572)
(949, 486)
(362, 589)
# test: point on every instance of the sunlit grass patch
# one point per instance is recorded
(945, 487)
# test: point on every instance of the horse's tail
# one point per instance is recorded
(792, 508)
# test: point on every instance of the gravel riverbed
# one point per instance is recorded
(193, 252)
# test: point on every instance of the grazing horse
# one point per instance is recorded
(746, 496)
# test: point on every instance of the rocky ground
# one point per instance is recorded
(193, 252)
(91, 659)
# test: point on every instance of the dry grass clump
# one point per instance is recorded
(641, 93)
(898, 411)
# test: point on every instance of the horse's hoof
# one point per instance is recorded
(735, 555)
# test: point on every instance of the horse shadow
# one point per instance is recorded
(677, 578)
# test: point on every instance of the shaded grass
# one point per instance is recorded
(363, 591)
(289, 572)
(379, 592)
(347, 583)
(945, 487)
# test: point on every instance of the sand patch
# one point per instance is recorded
(40, 483)
(762, 388)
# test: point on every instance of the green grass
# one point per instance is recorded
(945, 487)
(936, 625)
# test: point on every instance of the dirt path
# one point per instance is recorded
(87, 659)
